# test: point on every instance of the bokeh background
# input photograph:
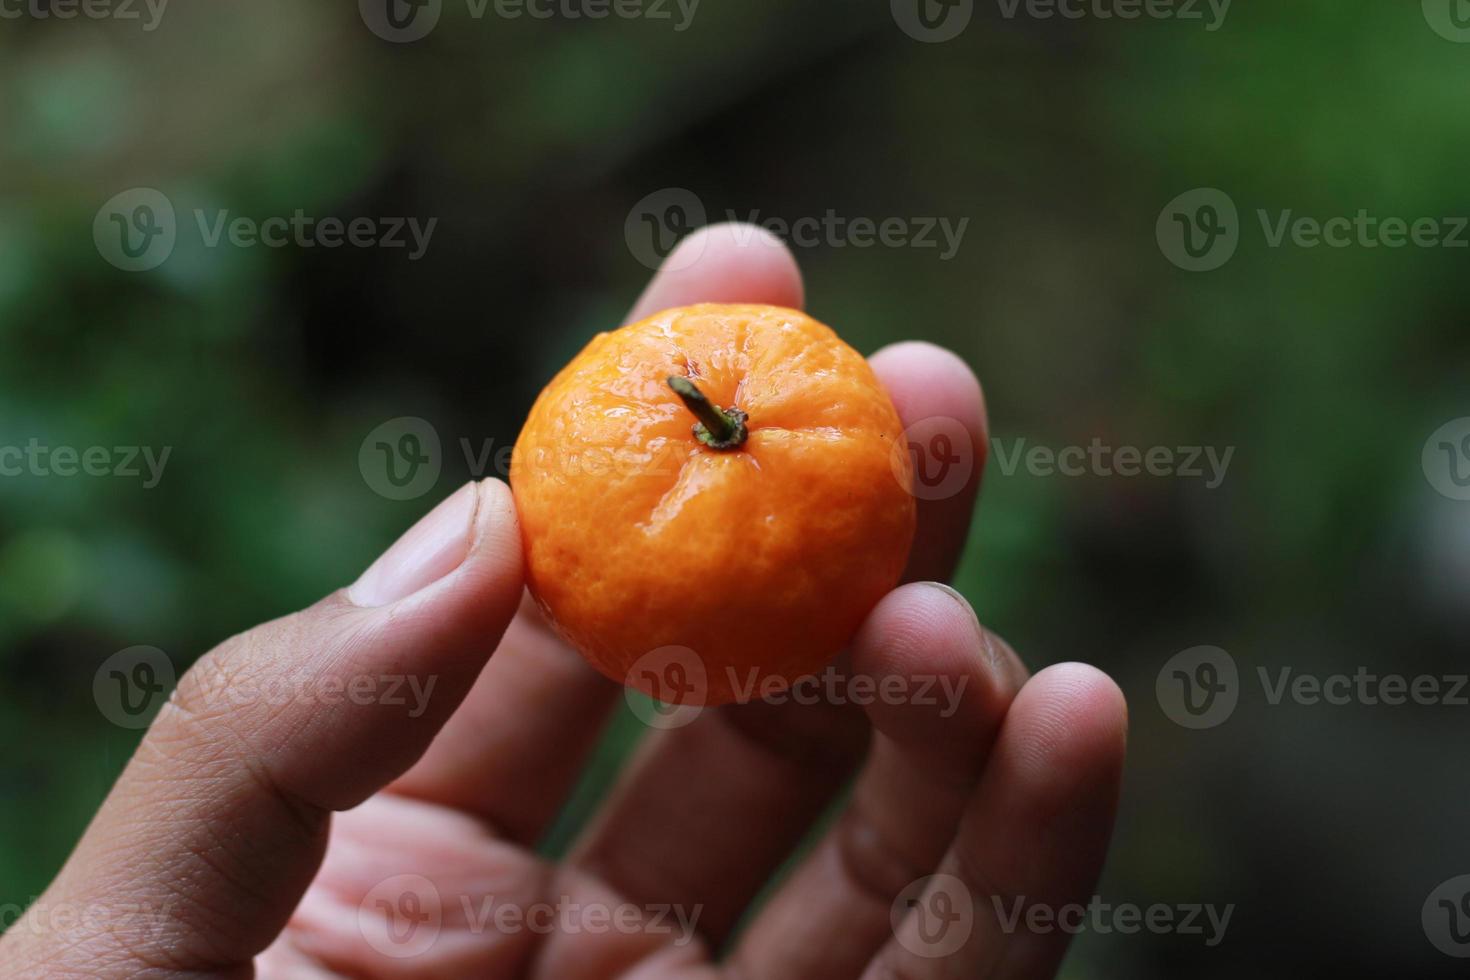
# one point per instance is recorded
(532, 142)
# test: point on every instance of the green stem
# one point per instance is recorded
(718, 428)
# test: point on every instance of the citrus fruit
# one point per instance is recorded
(711, 500)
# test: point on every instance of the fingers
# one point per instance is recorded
(220, 817)
(950, 683)
(724, 263)
(1034, 835)
(776, 766)
(703, 815)
(513, 751)
(938, 397)
(393, 862)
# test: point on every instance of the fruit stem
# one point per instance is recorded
(718, 428)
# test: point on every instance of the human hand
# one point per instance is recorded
(338, 836)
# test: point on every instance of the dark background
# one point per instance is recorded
(1324, 549)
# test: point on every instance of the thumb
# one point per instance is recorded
(219, 821)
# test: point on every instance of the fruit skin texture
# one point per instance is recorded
(763, 559)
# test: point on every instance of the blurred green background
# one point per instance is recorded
(531, 142)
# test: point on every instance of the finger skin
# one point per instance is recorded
(512, 753)
(731, 262)
(1035, 830)
(926, 381)
(221, 816)
(517, 745)
(830, 918)
(779, 764)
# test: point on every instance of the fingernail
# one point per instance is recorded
(428, 551)
(959, 597)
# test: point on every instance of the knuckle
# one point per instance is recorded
(873, 860)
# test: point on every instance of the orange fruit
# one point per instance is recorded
(711, 500)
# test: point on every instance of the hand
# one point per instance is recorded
(218, 847)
